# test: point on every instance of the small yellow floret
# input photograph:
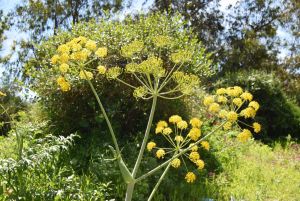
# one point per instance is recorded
(244, 135)
(101, 52)
(193, 147)
(194, 134)
(248, 112)
(214, 107)
(222, 99)
(159, 129)
(176, 163)
(194, 156)
(64, 85)
(182, 125)
(205, 145)
(232, 116)
(175, 119)
(86, 75)
(151, 145)
(227, 126)
(196, 123)
(162, 124)
(167, 131)
(208, 100)
(101, 70)
(63, 48)
(64, 58)
(221, 91)
(200, 164)
(178, 138)
(55, 59)
(237, 101)
(64, 68)
(257, 127)
(91, 45)
(190, 177)
(247, 96)
(254, 104)
(160, 153)
(76, 47)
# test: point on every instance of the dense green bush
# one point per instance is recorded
(279, 115)
(74, 110)
(44, 171)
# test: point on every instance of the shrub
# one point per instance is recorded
(75, 111)
(44, 171)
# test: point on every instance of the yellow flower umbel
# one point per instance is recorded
(182, 125)
(175, 119)
(190, 177)
(64, 85)
(195, 122)
(235, 106)
(175, 163)
(64, 68)
(151, 145)
(160, 153)
(244, 135)
(194, 156)
(101, 70)
(205, 145)
(194, 134)
(200, 164)
(180, 135)
(256, 127)
(208, 100)
(101, 52)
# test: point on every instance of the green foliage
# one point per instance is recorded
(278, 114)
(12, 103)
(256, 172)
(44, 171)
(74, 111)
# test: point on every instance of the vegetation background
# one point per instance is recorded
(254, 44)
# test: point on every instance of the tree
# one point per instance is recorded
(39, 19)
(201, 15)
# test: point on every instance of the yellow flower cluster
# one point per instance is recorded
(162, 41)
(184, 137)
(140, 92)
(77, 50)
(132, 48)
(64, 85)
(181, 56)
(190, 177)
(229, 104)
(244, 135)
(186, 82)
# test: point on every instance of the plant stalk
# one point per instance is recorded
(146, 136)
(105, 116)
(129, 191)
(159, 181)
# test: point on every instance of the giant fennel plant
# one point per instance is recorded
(156, 76)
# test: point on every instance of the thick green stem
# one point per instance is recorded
(159, 182)
(105, 115)
(177, 155)
(146, 136)
(129, 191)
